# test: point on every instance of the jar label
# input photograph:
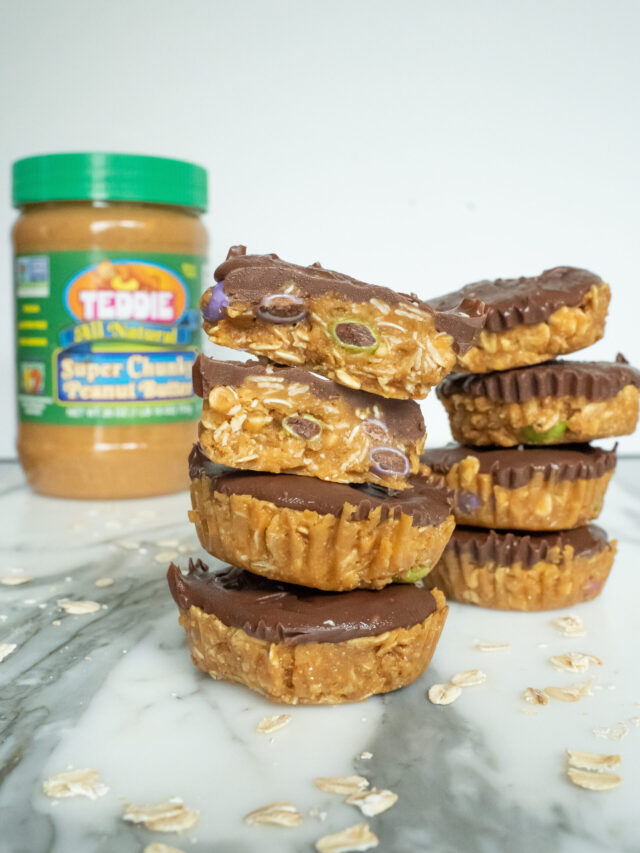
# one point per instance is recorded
(105, 338)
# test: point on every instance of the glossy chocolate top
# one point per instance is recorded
(250, 278)
(514, 467)
(403, 418)
(505, 548)
(284, 613)
(514, 302)
(595, 380)
(428, 504)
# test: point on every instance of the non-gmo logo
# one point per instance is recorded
(126, 290)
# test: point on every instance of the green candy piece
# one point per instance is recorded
(354, 335)
(414, 575)
(528, 434)
(302, 426)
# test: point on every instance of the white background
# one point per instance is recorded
(416, 144)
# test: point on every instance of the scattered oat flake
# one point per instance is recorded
(570, 693)
(592, 760)
(486, 646)
(569, 626)
(616, 732)
(574, 662)
(168, 543)
(158, 847)
(535, 696)
(165, 556)
(275, 814)
(78, 608)
(272, 724)
(635, 721)
(170, 816)
(354, 838)
(56, 622)
(593, 781)
(6, 649)
(443, 694)
(366, 755)
(15, 580)
(469, 678)
(127, 544)
(75, 783)
(345, 785)
(373, 802)
(102, 582)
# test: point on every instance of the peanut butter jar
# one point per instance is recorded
(109, 251)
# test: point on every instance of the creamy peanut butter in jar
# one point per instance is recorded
(109, 250)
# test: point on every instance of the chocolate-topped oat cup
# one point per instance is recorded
(506, 570)
(524, 488)
(559, 402)
(363, 336)
(301, 646)
(530, 320)
(263, 417)
(324, 535)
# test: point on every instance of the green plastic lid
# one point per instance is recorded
(109, 177)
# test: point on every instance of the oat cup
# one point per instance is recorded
(286, 420)
(559, 402)
(531, 320)
(524, 571)
(360, 335)
(299, 646)
(323, 535)
(524, 488)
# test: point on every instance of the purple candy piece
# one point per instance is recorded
(467, 501)
(217, 302)
(388, 460)
(592, 586)
(282, 308)
(375, 429)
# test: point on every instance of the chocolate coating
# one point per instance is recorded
(428, 504)
(595, 380)
(283, 613)
(514, 467)
(249, 278)
(403, 417)
(505, 548)
(515, 302)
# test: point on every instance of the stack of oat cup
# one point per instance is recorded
(307, 480)
(527, 483)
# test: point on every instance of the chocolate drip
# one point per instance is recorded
(506, 548)
(595, 380)
(249, 278)
(402, 417)
(283, 613)
(428, 504)
(515, 302)
(513, 468)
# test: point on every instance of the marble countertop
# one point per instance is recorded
(115, 690)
